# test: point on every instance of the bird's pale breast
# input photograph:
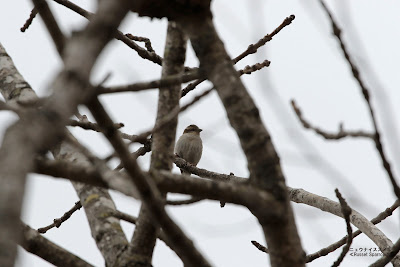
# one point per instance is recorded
(189, 147)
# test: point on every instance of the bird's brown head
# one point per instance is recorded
(192, 129)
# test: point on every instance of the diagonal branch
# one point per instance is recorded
(329, 136)
(39, 130)
(29, 20)
(325, 251)
(357, 219)
(152, 56)
(36, 244)
(387, 258)
(365, 91)
(263, 161)
(57, 222)
(51, 24)
(240, 193)
(254, 47)
(148, 191)
(346, 211)
(146, 231)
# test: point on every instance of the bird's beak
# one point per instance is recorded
(200, 130)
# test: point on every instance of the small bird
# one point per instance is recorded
(189, 146)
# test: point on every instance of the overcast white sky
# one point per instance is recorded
(306, 65)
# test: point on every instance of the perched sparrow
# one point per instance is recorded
(189, 146)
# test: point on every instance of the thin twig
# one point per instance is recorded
(250, 50)
(172, 115)
(365, 91)
(84, 123)
(325, 251)
(183, 164)
(160, 83)
(57, 222)
(29, 20)
(147, 42)
(131, 219)
(247, 70)
(191, 86)
(387, 258)
(51, 24)
(148, 191)
(258, 66)
(152, 56)
(140, 152)
(175, 79)
(87, 125)
(175, 112)
(184, 202)
(123, 216)
(260, 247)
(346, 211)
(254, 47)
(329, 136)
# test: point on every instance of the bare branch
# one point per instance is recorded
(357, 219)
(152, 56)
(148, 191)
(183, 164)
(51, 24)
(246, 70)
(237, 191)
(87, 125)
(254, 47)
(139, 152)
(36, 244)
(145, 235)
(164, 82)
(325, 251)
(329, 136)
(258, 66)
(57, 222)
(184, 202)
(260, 247)
(263, 162)
(346, 211)
(146, 41)
(240, 193)
(41, 129)
(168, 117)
(131, 219)
(387, 258)
(365, 91)
(29, 20)
(106, 231)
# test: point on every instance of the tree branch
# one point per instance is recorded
(346, 211)
(36, 244)
(146, 231)
(39, 130)
(329, 136)
(148, 191)
(57, 222)
(387, 258)
(365, 91)
(263, 161)
(254, 47)
(29, 20)
(51, 24)
(152, 56)
(357, 219)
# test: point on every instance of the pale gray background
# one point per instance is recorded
(307, 65)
